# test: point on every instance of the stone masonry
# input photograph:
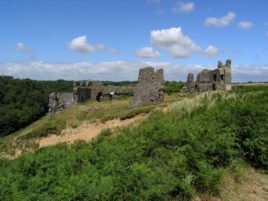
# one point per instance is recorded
(88, 90)
(210, 80)
(150, 87)
(59, 101)
(82, 91)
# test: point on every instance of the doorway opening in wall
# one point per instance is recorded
(98, 98)
(214, 78)
(222, 77)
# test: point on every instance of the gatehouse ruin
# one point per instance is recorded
(211, 80)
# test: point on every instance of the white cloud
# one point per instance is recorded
(20, 47)
(174, 41)
(183, 7)
(147, 52)
(266, 33)
(154, 1)
(220, 22)
(125, 70)
(211, 51)
(81, 45)
(245, 25)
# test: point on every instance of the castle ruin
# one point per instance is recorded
(210, 80)
(150, 87)
(82, 91)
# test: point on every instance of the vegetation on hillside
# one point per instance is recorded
(23, 101)
(173, 87)
(120, 83)
(74, 116)
(169, 156)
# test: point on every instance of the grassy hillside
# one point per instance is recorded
(90, 111)
(23, 101)
(171, 155)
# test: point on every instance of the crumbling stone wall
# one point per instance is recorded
(210, 80)
(190, 83)
(150, 87)
(86, 90)
(82, 91)
(59, 101)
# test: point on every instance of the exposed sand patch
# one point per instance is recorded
(86, 131)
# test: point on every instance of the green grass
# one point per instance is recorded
(171, 155)
(74, 116)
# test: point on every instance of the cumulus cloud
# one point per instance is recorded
(211, 51)
(174, 41)
(125, 70)
(147, 52)
(81, 45)
(183, 7)
(20, 47)
(245, 25)
(220, 22)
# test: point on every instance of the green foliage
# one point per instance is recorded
(22, 101)
(169, 156)
(120, 83)
(173, 86)
(250, 88)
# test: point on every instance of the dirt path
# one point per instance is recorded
(86, 131)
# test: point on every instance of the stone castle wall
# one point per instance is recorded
(59, 101)
(210, 80)
(82, 91)
(150, 87)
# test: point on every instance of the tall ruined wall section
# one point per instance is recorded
(150, 87)
(210, 80)
(228, 75)
(59, 101)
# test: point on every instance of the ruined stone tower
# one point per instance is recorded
(210, 80)
(150, 87)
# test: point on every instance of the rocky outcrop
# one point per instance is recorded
(150, 87)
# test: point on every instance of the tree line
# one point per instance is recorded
(23, 101)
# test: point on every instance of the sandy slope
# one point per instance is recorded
(86, 131)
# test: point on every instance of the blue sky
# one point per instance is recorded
(111, 40)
